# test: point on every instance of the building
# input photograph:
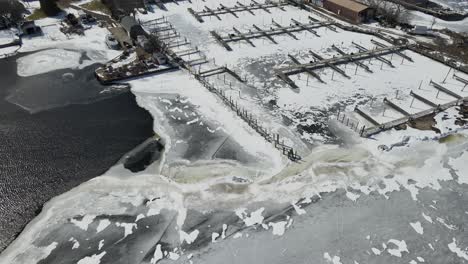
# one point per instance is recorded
(133, 28)
(121, 8)
(350, 10)
(30, 28)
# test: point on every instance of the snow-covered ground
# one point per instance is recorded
(457, 5)
(311, 104)
(7, 36)
(421, 19)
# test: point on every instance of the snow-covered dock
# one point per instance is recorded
(335, 67)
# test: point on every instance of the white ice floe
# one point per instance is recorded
(94, 259)
(333, 260)
(7, 36)
(84, 222)
(278, 228)
(457, 250)
(417, 227)
(188, 238)
(444, 223)
(173, 256)
(214, 236)
(298, 209)
(459, 165)
(101, 244)
(428, 218)
(48, 60)
(352, 196)
(139, 217)
(102, 225)
(255, 217)
(376, 251)
(431, 246)
(75, 242)
(158, 254)
(223, 233)
(401, 247)
(128, 227)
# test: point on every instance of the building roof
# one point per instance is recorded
(128, 22)
(349, 4)
(125, 6)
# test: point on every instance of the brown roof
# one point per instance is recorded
(349, 4)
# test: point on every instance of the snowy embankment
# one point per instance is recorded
(420, 19)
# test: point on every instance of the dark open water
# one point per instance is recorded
(47, 153)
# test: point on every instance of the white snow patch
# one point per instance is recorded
(76, 244)
(102, 225)
(48, 60)
(460, 167)
(455, 249)
(352, 196)
(402, 247)
(158, 255)
(428, 218)
(223, 233)
(376, 251)
(298, 209)
(139, 216)
(255, 217)
(128, 227)
(173, 256)
(101, 244)
(214, 236)
(84, 222)
(417, 227)
(189, 238)
(94, 259)
(334, 259)
(278, 227)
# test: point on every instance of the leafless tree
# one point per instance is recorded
(392, 12)
(50, 7)
(11, 10)
(433, 22)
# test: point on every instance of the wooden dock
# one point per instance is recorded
(334, 62)
(389, 125)
(268, 33)
(234, 10)
(202, 76)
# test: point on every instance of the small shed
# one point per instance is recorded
(133, 28)
(351, 10)
(30, 28)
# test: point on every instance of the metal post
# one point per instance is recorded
(419, 88)
(355, 71)
(411, 105)
(446, 75)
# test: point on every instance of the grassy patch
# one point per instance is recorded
(37, 14)
(97, 5)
